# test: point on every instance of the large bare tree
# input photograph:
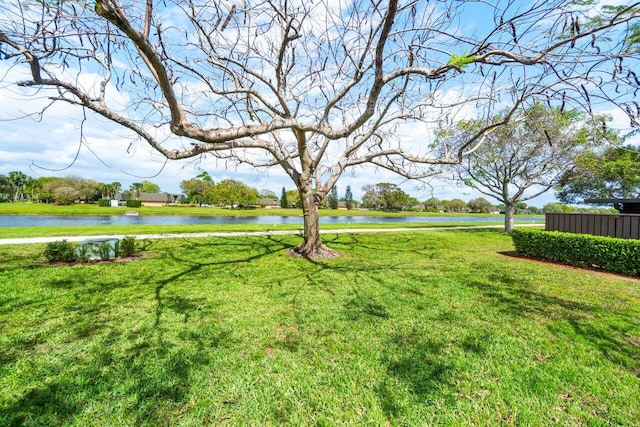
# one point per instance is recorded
(320, 86)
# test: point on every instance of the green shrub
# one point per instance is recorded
(82, 253)
(104, 251)
(60, 251)
(134, 203)
(581, 250)
(104, 203)
(127, 246)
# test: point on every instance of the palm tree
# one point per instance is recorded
(135, 189)
(113, 189)
(17, 181)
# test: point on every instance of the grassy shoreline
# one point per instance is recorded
(17, 232)
(52, 231)
(82, 209)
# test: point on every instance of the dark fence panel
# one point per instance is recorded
(625, 226)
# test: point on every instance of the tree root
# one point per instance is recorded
(317, 251)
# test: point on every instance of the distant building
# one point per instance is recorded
(161, 199)
(269, 202)
(154, 199)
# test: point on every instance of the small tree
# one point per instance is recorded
(268, 193)
(135, 189)
(455, 205)
(432, 204)
(149, 187)
(194, 189)
(5, 188)
(113, 189)
(348, 198)
(386, 196)
(526, 158)
(333, 198)
(231, 192)
(103, 190)
(370, 197)
(284, 203)
(293, 198)
(65, 195)
(479, 205)
(17, 183)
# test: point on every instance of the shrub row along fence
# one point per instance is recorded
(625, 226)
(581, 250)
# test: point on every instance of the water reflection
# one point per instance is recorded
(73, 220)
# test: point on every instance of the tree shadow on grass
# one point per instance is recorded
(418, 371)
(244, 252)
(12, 259)
(144, 383)
(615, 333)
(142, 373)
(354, 240)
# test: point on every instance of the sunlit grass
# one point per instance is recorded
(420, 328)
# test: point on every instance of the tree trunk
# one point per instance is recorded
(311, 246)
(509, 211)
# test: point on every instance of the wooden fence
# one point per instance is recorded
(625, 226)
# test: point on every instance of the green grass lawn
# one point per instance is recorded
(421, 328)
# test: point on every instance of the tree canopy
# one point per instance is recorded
(386, 196)
(612, 172)
(526, 157)
(319, 87)
(228, 192)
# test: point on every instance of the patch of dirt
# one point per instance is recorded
(135, 257)
(635, 341)
(513, 254)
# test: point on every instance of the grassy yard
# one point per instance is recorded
(422, 328)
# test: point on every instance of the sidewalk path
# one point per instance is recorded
(27, 240)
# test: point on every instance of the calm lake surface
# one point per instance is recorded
(71, 220)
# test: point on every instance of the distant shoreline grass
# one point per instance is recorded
(407, 328)
(90, 209)
(47, 231)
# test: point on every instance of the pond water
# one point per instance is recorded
(72, 220)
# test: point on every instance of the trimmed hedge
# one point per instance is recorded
(60, 251)
(580, 250)
(104, 203)
(134, 203)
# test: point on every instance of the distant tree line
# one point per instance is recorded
(17, 186)
(228, 192)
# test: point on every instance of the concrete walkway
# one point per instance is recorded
(27, 240)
